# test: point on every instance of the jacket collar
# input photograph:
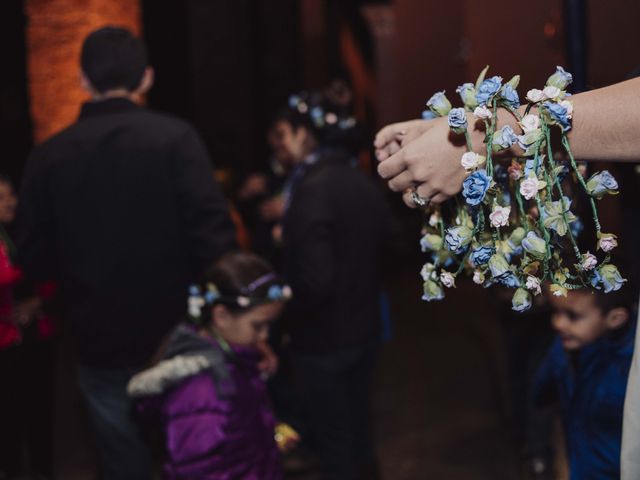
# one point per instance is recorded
(110, 105)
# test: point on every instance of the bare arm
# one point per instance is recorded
(421, 154)
(606, 123)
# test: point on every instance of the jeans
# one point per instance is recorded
(335, 388)
(122, 452)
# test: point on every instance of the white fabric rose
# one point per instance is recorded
(472, 160)
(533, 284)
(483, 113)
(530, 123)
(500, 216)
(552, 93)
(589, 261)
(535, 95)
(529, 187)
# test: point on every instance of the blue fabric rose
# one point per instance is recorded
(509, 96)
(558, 114)
(439, 104)
(467, 92)
(488, 89)
(457, 238)
(560, 79)
(576, 227)
(481, 255)
(475, 187)
(504, 138)
(431, 242)
(432, 291)
(428, 115)
(499, 266)
(602, 183)
(457, 120)
(534, 245)
(611, 278)
(509, 280)
(521, 300)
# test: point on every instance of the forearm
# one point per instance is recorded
(606, 123)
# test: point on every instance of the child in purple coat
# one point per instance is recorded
(208, 389)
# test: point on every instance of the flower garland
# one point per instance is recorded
(514, 226)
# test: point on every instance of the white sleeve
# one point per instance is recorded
(630, 456)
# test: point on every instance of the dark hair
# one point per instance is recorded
(112, 57)
(626, 297)
(235, 274)
(331, 124)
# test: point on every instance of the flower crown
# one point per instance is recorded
(513, 225)
(321, 117)
(211, 295)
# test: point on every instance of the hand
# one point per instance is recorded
(254, 185)
(272, 210)
(286, 437)
(268, 366)
(429, 163)
(392, 137)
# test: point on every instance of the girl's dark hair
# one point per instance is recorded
(241, 274)
(312, 110)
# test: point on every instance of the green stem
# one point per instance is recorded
(552, 164)
(468, 139)
(594, 209)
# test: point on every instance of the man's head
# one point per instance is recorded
(582, 317)
(114, 63)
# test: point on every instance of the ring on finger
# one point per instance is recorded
(419, 201)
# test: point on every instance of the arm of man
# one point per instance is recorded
(606, 123)
(35, 237)
(204, 209)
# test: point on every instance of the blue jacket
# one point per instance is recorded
(590, 386)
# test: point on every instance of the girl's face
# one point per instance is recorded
(289, 146)
(248, 327)
(8, 202)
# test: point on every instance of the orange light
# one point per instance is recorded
(55, 32)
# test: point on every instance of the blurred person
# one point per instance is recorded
(586, 370)
(26, 359)
(122, 208)
(209, 390)
(335, 226)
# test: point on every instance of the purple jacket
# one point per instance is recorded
(214, 410)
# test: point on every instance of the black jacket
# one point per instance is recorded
(122, 208)
(335, 231)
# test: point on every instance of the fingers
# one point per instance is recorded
(389, 134)
(402, 181)
(425, 191)
(392, 166)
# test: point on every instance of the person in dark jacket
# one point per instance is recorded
(335, 225)
(127, 199)
(586, 371)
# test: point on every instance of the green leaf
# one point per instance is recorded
(514, 82)
(483, 74)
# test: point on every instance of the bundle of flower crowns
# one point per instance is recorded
(514, 226)
(210, 295)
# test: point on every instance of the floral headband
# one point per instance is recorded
(318, 115)
(211, 295)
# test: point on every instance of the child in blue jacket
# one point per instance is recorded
(586, 371)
